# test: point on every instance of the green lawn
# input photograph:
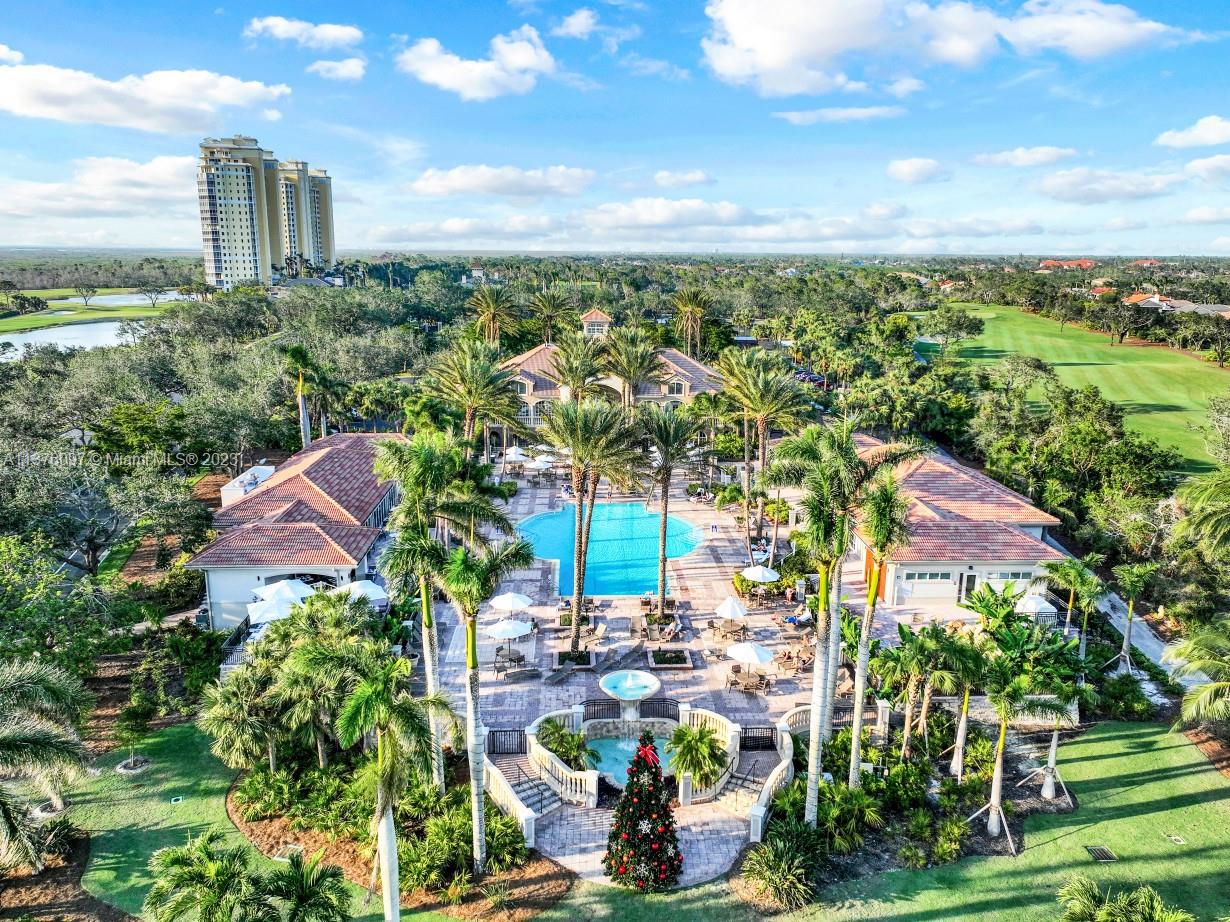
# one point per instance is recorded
(1136, 783)
(80, 314)
(1166, 393)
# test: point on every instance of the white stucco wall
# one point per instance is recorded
(229, 590)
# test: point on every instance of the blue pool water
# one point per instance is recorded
(623, 546)
(615, 754)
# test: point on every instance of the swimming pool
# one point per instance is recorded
(623, 546)
(615, 755)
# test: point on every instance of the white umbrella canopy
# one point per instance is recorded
(752, 653)
(538, 465)
(1034, 605)
(547, 457)
(504, 629)
(269, 610)
(511, 601)
(760, 574)
(363, 588)
(515, 454)
(731, 609)
(296, 590)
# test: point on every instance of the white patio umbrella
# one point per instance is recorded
(295, 590)
(760, 574)
(269, 610)
(753, 654)
(511, 601)
(363, 588)
(547, 457)
(731, 609)
(515, 454)
(1034, 605)
(538, 465)
(506, 629)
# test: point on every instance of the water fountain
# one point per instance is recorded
(629, 686)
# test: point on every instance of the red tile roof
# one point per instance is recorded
(959, 540)
(289, 545)
(594, 314)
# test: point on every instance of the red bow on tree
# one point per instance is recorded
(649, 754)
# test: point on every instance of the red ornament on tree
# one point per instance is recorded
(644, 816)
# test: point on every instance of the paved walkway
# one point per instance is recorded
(709, 837)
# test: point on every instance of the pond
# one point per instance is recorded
(118, 300)
(88, 335)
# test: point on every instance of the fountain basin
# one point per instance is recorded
(615, 754)
(630, 684)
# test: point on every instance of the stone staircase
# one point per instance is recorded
(740, 793)
(526, 783)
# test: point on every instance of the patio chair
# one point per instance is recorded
(525, 672)
(556, 676)
(672, 630)
(597, 638)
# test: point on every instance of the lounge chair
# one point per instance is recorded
(556, 676)
(525, 672)
(671, 632)
(597, 638)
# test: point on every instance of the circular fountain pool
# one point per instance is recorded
(630, 684)
(615, 753)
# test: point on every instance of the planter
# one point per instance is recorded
(580, 667)
(671, 653)
(565, 621)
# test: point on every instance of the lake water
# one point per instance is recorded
(118, 300)
(102, 333)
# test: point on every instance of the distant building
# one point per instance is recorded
(595, 322)
(1164, 304)
(1145, 263)
(1067, 264)
(261, 217)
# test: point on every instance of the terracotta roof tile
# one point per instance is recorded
(285, 544)
(594, 314)
(956, 540)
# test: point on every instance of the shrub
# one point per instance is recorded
(918, 825)
(1121, 699)
(505, 843)
(905, 786)
(697, 750)
(779, 873)
(807, 842)
(945, 850)
(498, 896)
(571, 748)
(913, 857)
(57, 837)
(777, 510)
(457, 890)
(420, 865)
(791, 800)
(979, 756)
(960, 796)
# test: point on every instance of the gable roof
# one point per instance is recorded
(699, 378)
(287, 544)
(538, 366)
(957, 541)
(594, 314)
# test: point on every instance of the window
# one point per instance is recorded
(1016, 575)
(675, 389)
(927, 577)
(520, 387)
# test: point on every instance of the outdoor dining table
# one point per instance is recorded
(731, 628)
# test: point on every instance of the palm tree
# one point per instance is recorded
(885, 527)
(1132, 579)
(632, 358)
(550, 308)
(1070, 574)
(1083, 901)
(1205, 652)
(905, 667)
(711, 411)
(205, 880)
(309, 891)
(243, 716)
(577, 366)
(968, 657)
(300, 364)
(939, 675)
(495, 310)
(1090, 590)
(469, 579)
(427, 470)
(691, 305)
(40, 706)
(670, 435)
(468, 378)
(697, 751)
(1207, 503)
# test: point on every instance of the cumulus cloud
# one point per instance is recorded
(972, 227)
(345, 69)
(1088, 186)
(580, 24)
(10, 55)
(880, 211)
(511, 181)
(1086, 29)
(1025, 156)
(517, 59)
(1208, 214)
(1210, 168)
(664, 212)
(915, 170)
(671, 179)
(107, 187)
(904, 86)
(184, 101)
(303, 33)
(1206, 132)
(840, 114)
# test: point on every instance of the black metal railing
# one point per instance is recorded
(659, 709)
(505, 742)
(757, 739)
(601, 709)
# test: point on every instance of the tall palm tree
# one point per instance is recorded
(205, 880)
(1070, 574)
(738, 371)
(905, 666)
(885, 527)
(1090, 590)
(1132, 579)
(40, 706)
(1204, 652)
(308, 890)
(495, 311)
(691, 305)
(469, 579)
(968, 653)
(298, 362)
(427, 470)
(632, 358)
(243, 716)
(468, 378)
(577, 366)
(938, 674)
(671, 434)
(551, 308)
(711, 411)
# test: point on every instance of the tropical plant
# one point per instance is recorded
(550, 308)
(495, 311)
(691, 305)
(205, 880)
(780, 872)
(671, 435)
(968, 660)
(699, 752)
(1083, 901)
(577, 366)
(1206, 501)
(298, 362)
(469, 379)
(631, 356)
(1132, 579)
(309, 891)
(243, 716)
(904, 667)
(996, 608)
(1205, 652)
(572, 748)
(1069, 574)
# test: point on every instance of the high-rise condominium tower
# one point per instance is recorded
(260, 217)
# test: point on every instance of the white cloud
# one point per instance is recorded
(271, 115)
(1086, 29)
(516, 227)
(664, 212)
(1206, 132)
(916, 170)
(904, 86)
(305, 34)
(840, 114)
(580, 24)
(107, 187)
(1210, 168)
(10, 55)
(1221, 244)
(345, 69)
(1207, 214)
(671, 179)
(480, 179)
(880, 211)
(1088, 186)
(1025, 156)
(184, 101)
(955, 33)
(517, 60)
(640, 66)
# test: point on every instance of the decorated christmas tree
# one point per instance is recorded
(642, 851)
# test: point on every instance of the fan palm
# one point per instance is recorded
(670, 434)
(1083, 901)
(469, 579)
(207, 881)
(469, 379)
(904, 667)
(243, 716)
(885, 527)
(1132, 579)
(1205, 653)
(577, 366)
(309, 891)
(1070, 574)
(691, 305)
(495, 311)
(699, 752)
(631, 356)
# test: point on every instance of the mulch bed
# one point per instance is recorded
(1215, 749)
(57, 893)
(533, 888)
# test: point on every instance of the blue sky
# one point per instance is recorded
(1042, 126)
